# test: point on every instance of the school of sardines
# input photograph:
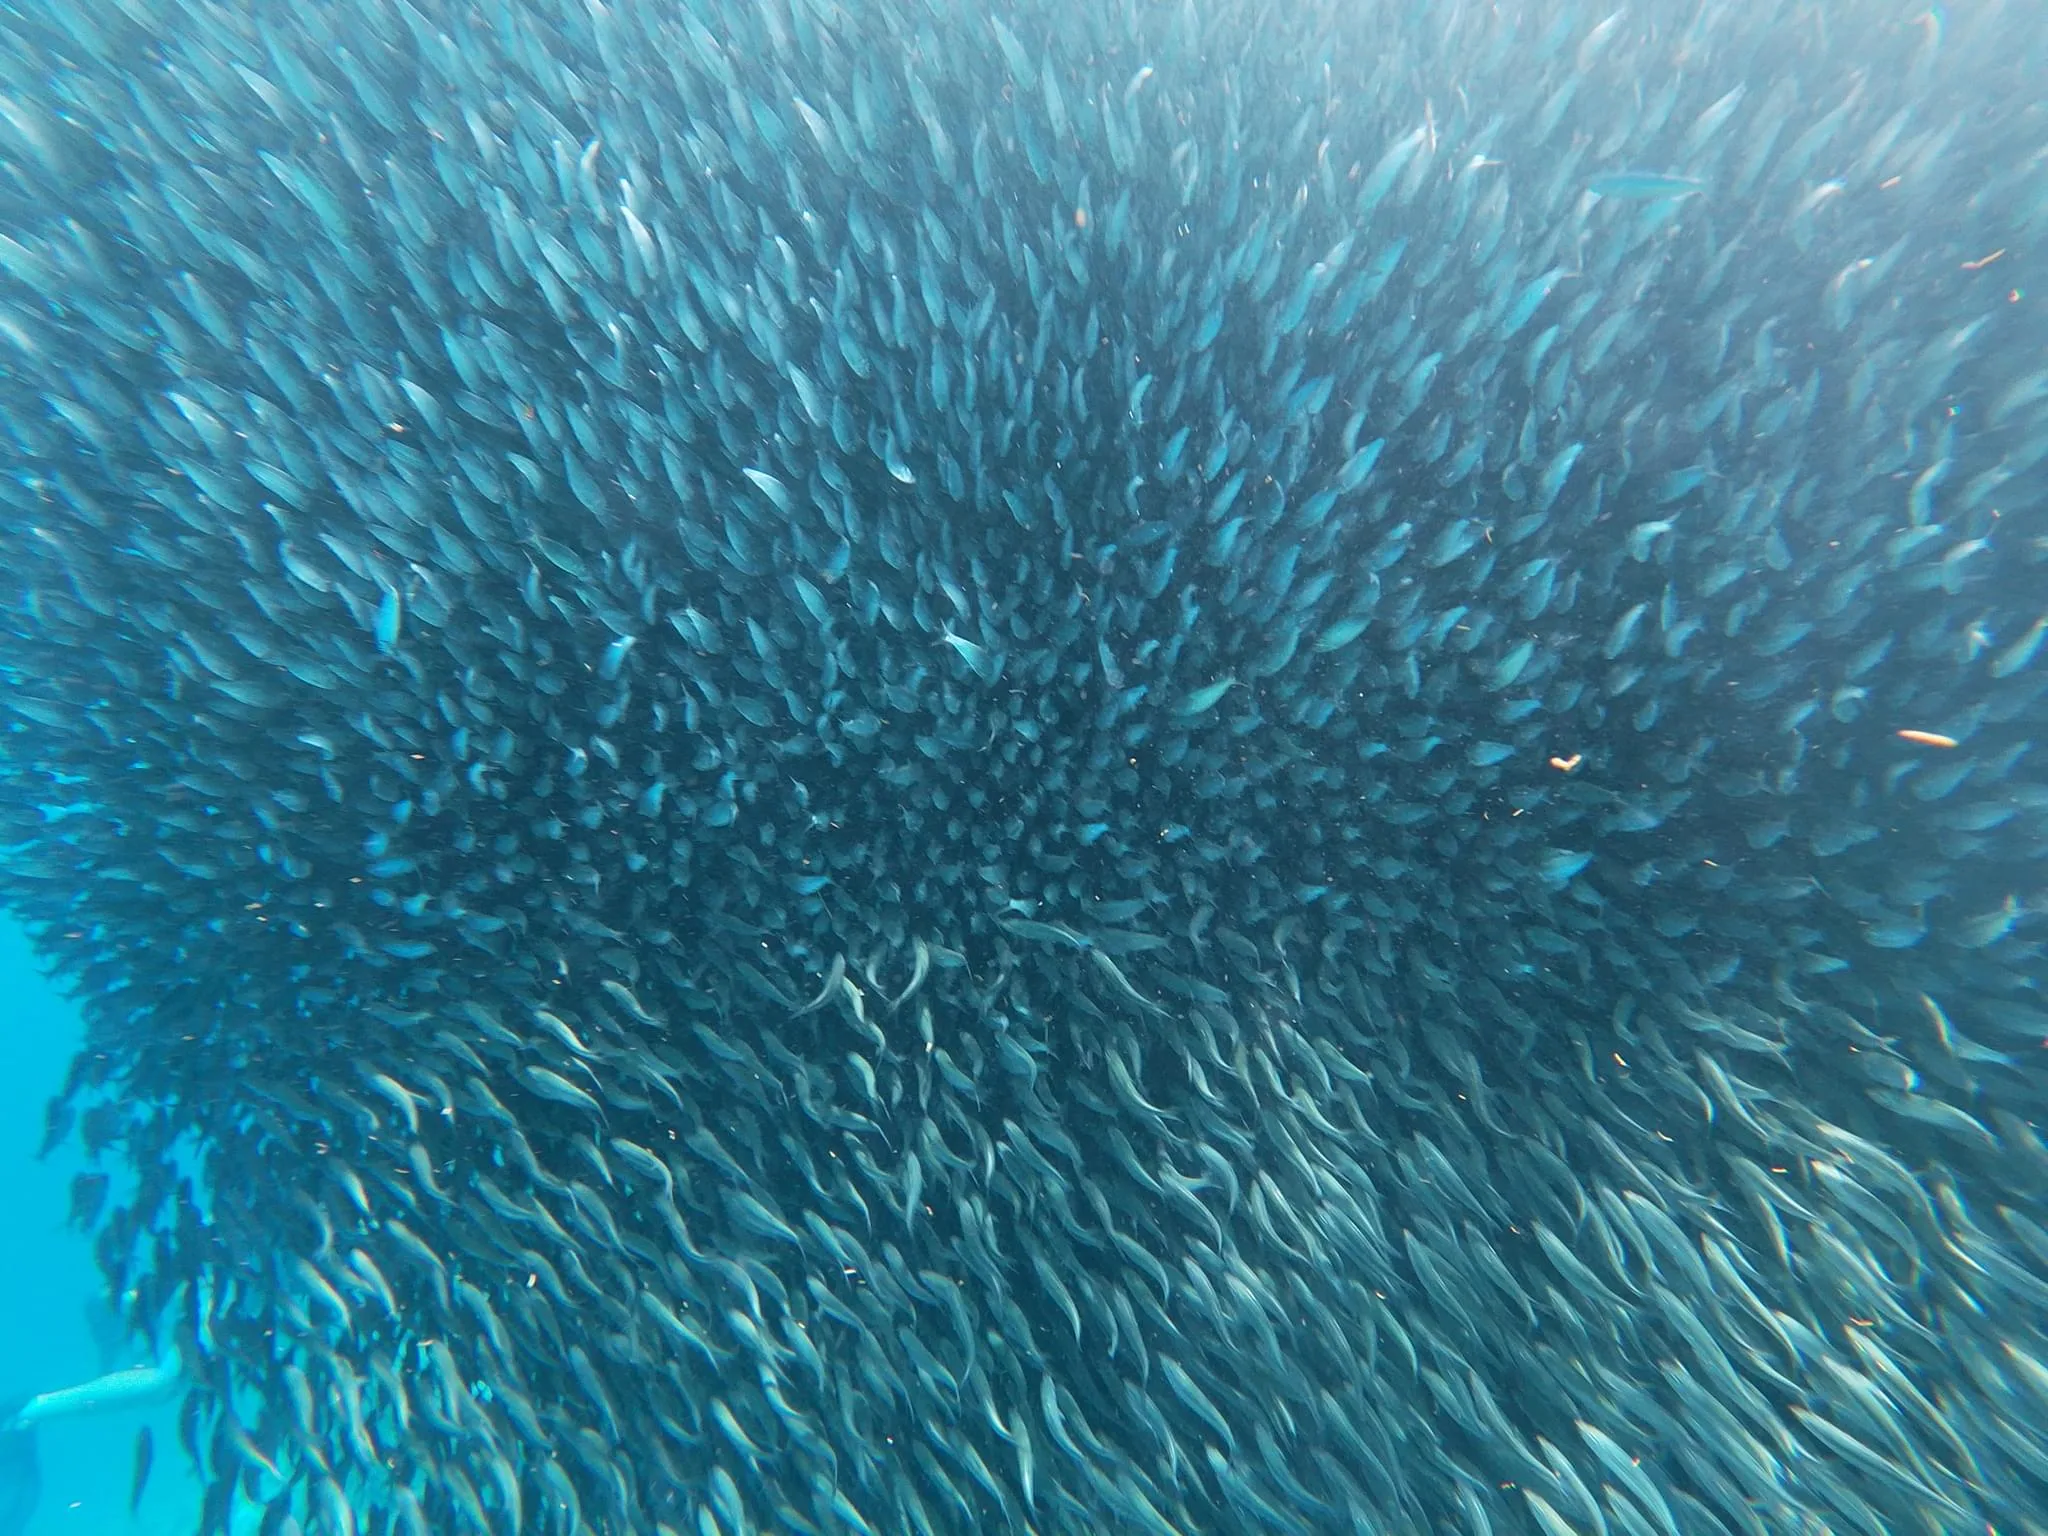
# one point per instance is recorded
(1162, 766)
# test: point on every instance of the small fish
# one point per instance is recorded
(145, 1454)
(769, 486)
(2020, 654)
(1560, 865)
(1643, 186)
(1340, 634)
(552, 1085)
(390, 619)
(1205, 698)
(984, 663)
(1926, 738)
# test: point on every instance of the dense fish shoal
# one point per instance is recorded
(882, 768)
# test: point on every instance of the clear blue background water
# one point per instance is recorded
(47, 1279)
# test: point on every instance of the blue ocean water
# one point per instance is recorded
(48, 1285)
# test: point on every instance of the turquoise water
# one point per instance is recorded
(47, 1281)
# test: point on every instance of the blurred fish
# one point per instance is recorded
(113, 1339)
(137, 1386)
(145, 1452)
(1643, 186)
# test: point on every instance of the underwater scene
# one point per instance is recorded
(89, 1465)
(1091, 767)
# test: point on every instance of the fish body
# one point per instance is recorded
(1644, 186)
(137, 1386)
